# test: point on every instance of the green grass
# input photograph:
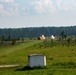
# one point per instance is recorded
(61, 60)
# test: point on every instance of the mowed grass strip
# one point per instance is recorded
(9, 49)
(12, 54)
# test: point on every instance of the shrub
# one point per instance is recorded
(13, 42)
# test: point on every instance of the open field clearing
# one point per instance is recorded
(61, 60)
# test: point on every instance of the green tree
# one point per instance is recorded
(9, 37)
(3, 37)
(65, 36)
(62, 35)
(13, 41)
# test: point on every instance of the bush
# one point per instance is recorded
(13, 42)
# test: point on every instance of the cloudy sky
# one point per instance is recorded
(35, 13)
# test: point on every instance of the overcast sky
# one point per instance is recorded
(35, 13)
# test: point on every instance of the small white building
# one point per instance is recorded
(43, 36)
(35, 60)
(52, 37)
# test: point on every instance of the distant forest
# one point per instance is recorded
(37, 31)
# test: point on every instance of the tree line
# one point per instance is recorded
(36, 31)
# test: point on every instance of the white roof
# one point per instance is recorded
(35, 55)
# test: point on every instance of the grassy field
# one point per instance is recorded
(61, 60)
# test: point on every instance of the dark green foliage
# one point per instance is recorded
(38, 31)
(62, 34)
(13, 42)
(9, 37)
(3, 37)
(65, 36)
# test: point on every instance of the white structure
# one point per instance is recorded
(52, 37)
(43, 36)
(35, 60)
